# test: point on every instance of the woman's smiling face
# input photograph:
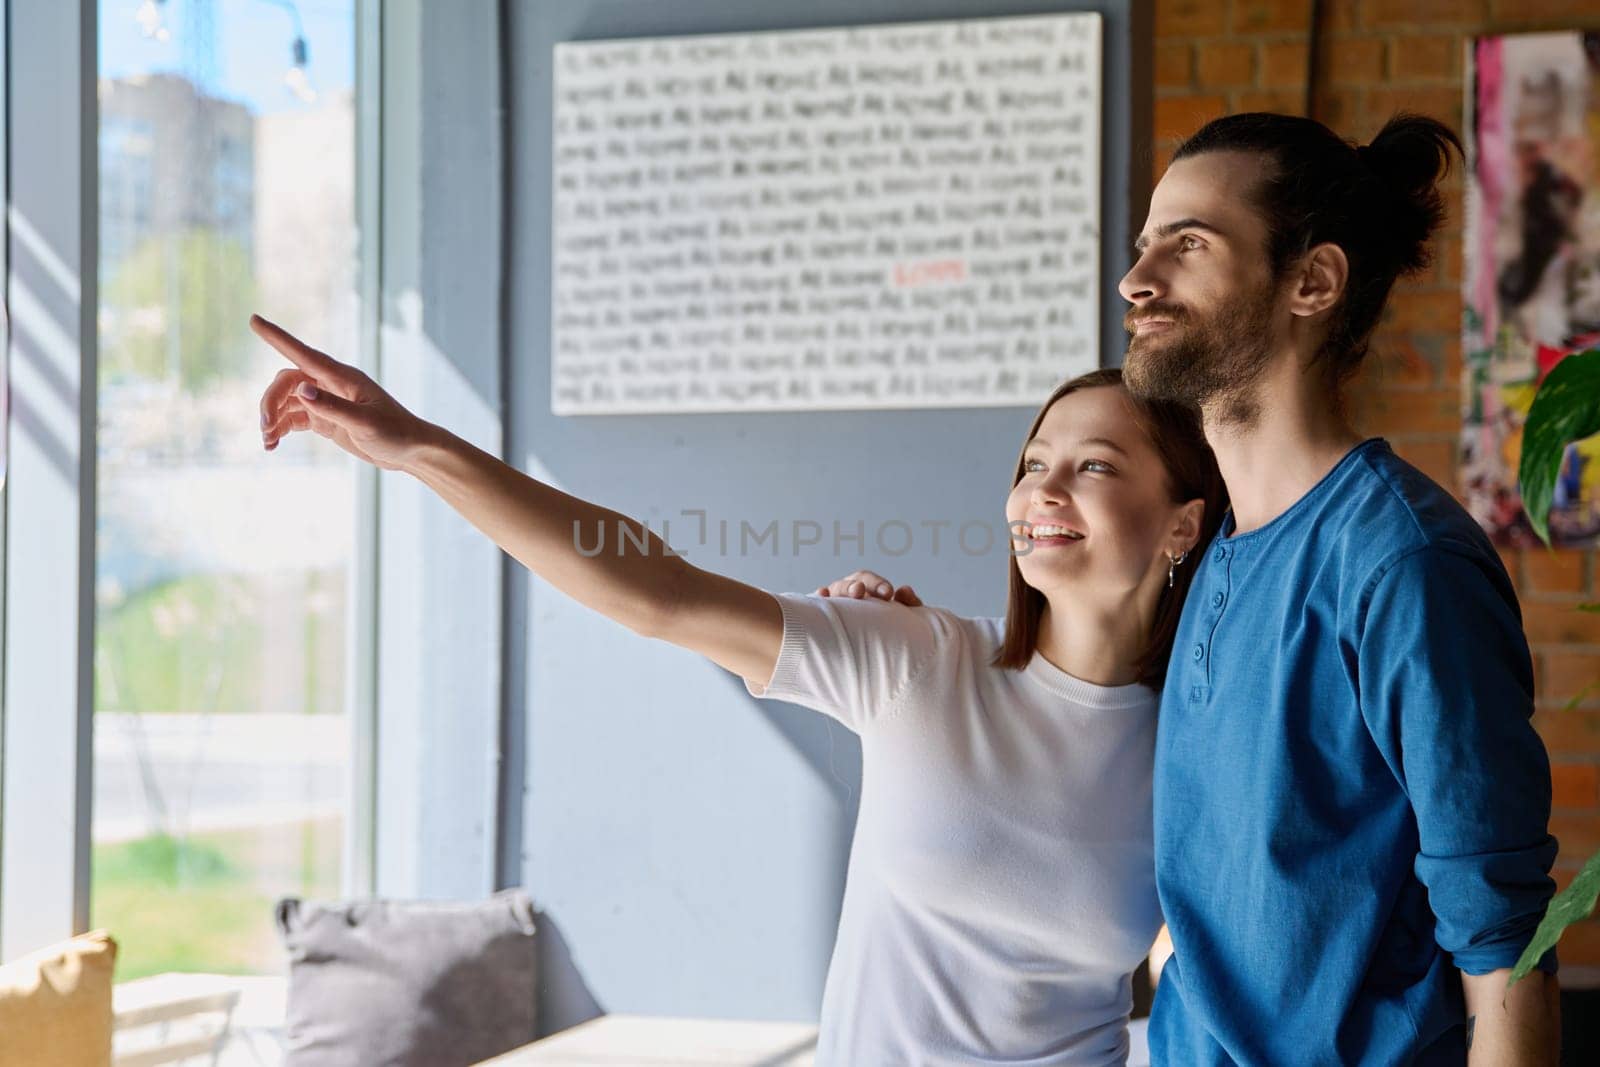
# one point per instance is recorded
(1091, 473)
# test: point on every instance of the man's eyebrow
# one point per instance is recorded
(1168, 229)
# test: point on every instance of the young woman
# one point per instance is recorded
(1000, 890)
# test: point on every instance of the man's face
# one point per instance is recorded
(1203, 325)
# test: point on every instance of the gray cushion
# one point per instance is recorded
(384, 983)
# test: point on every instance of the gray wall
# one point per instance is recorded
(440, 582)
(688, 843)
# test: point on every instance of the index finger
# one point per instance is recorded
(321, 366)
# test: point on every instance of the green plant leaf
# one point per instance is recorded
(1565, 409)
(1592, 609)
(1583, 694)
(1573, 904)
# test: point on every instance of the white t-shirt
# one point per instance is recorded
(1001, 886)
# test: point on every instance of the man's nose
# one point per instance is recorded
(1140, 285)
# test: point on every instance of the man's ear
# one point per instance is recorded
(1320, 282)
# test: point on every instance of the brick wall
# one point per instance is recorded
(1213, 57)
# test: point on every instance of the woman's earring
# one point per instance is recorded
(1172, 565)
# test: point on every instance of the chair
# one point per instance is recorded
(168, 1018)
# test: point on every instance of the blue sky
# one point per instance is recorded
(253, 46)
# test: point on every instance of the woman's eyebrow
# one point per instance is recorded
(1105, 442)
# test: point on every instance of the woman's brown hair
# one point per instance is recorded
(1192, 474)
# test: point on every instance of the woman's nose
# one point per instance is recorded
(1049, 491)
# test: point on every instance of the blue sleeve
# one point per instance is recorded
(1446, 686)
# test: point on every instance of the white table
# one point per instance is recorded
(649, 1041)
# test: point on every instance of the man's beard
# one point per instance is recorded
(1213, 363)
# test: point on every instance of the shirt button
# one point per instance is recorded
(1199, 653)
(1216, 601)
(1222, 554)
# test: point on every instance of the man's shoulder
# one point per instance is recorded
(1399, 510)
(1399, 514)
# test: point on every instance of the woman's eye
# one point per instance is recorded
(1030, 465)
(1100, 465)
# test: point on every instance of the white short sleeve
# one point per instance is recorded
(851, 659)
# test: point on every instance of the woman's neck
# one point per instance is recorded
(1094, 646)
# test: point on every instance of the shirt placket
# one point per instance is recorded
(1218, 591)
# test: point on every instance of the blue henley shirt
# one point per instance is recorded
(1351, 803)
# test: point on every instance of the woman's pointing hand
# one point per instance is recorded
(335, 400)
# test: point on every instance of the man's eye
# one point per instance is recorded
(1188, 243)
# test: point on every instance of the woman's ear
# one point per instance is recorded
(1323, 275)
(1186, 532)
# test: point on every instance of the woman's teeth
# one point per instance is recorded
(1055, 531)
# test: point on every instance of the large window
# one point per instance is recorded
(223, 575)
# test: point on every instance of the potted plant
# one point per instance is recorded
(1565, 409)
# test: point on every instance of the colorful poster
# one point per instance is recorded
(1531, 266)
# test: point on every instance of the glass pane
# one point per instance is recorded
(227, 177)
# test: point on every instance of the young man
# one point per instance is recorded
(1351, 805)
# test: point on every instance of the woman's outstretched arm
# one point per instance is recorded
(646, 589)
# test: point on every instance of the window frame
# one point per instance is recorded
(50, 192)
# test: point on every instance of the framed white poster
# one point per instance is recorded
(891, 216)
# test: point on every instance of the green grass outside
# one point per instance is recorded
(205, 903)
(195, 644)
